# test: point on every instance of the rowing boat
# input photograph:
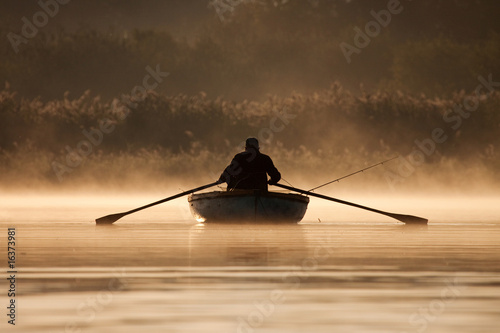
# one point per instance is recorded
(252, 205)
(248, 205)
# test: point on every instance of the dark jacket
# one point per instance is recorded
(249, 170)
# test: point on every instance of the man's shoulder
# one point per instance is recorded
(240, 155)
(265, 160)
(264, 156)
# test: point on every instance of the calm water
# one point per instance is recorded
(341, 270)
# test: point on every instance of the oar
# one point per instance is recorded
(108, 219)
(400, 217)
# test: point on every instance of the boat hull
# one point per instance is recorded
(248, 206)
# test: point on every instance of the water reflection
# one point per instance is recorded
(223, 244)
(157, 271)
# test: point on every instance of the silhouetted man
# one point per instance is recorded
(249, 169)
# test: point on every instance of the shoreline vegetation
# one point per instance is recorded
(427, 90)
(86, 141)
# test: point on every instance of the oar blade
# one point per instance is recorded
(109, 219)
(409, 219)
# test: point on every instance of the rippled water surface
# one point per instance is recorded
(340, 270)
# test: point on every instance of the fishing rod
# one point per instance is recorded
(352, 174)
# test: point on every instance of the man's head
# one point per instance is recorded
(252, 143)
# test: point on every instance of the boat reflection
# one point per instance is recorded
(236, 244)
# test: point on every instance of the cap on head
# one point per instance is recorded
(252, 143)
